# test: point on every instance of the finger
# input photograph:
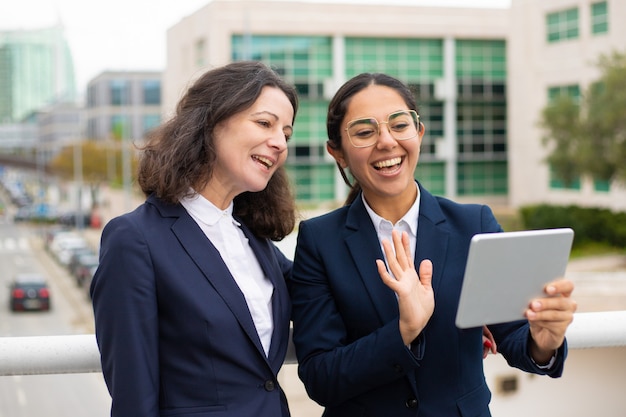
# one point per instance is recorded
(401, 254)
(563, 287)
(426, 272)
(388, 280)
(553, 303)
(406, 243)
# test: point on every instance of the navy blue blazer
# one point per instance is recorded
(351, 356)
(175, 335)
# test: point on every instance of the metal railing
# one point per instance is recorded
(39, 355)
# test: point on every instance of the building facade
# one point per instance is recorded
(36, 69)
(553, 49)
(455, 60)
(122, 105)
(481, 77)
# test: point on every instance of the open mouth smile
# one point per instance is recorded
(388, 164)
(268, 163)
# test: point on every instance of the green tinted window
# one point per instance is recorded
(481, 59)
(406, 59)
(482, 178)
(599, 18)
(432, 176)
(313, 182)
(562, 25)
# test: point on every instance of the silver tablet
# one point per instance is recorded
(505, 271)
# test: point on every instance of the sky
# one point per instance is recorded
(121, 35)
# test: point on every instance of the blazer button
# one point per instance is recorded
(411, 403)
(269, 385)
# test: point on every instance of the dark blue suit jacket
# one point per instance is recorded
(175, 335)
(351, 356)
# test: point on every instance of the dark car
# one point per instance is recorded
(29, 291)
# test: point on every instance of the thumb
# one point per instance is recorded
(426, 272)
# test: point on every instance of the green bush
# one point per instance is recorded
(589, 224)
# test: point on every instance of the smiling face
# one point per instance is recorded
(384, 170)
(250, 146)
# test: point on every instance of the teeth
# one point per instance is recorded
(263, 160)
(388, 163)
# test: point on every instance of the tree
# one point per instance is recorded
(589, 137)
(102, 162)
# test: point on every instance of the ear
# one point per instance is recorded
(421, 132)
(337, 154)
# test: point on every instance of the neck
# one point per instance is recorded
(391, 208)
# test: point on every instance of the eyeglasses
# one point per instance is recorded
(402, 125)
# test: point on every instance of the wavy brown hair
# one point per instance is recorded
(338, 107)
(179, 155)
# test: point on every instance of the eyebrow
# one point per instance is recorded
(275, 116)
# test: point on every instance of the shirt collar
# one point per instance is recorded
(409, 218)
(206, 212)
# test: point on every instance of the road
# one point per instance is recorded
(76, 395)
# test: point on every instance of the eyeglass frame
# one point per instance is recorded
(415, 116)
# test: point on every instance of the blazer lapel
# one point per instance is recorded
(432, 237)
(265, 255)
(209, 261)
(362, 241)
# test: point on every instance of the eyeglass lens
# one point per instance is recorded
(402, 125)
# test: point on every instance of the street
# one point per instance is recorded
(76, 395)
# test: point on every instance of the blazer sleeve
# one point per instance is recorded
(125, 308)
(332, 367)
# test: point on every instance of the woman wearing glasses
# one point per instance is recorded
(373, 336)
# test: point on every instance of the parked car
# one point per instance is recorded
(63, 244)
(84, 267)
(29, 291)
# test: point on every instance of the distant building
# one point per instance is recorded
(123, 105)
(481, 77)
(59, 125)
(36, 69)
(553, 47)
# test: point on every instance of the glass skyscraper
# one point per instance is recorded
(36, 69)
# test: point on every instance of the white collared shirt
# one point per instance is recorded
(226, 235)
(408, 223)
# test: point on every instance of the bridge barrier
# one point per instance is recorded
(40, 355)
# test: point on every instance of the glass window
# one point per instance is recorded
(480, 59)
(599, 18)
(411, 60)
(200, 52)
(482, 178)
(562, 25)
(432, 175)
(558, 184)
(120, 92)
(120, 127)
(602, 186)
(151, 92)
(571, 90)
(313, 182)
(150, 121)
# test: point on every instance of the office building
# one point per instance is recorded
(481, 78)
(123, 105)
(36, 69)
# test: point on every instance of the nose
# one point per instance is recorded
(384, 136)
(278, 141)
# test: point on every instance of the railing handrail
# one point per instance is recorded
(41, 355)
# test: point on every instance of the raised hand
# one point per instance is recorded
(416, 300)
